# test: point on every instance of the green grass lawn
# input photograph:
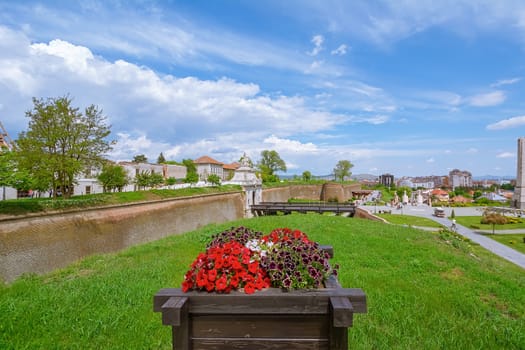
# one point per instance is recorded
(409, 220)
(468, 221)
(423, 291)
(513, 241)
(34, 205)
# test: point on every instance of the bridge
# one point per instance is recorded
(272, 208)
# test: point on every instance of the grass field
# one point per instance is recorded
(409, 220)
(424, 290)
(469, 221)
(511, 240)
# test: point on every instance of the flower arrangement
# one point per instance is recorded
(240, 258)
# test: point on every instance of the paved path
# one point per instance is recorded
(495, 247)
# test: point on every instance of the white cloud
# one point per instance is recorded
(507, 123)
(430, 160)
(317, 40)
(340, 51)
(170, 110)
(472, 150)
(505, 155)
(505, 82)
(290, 146)
(488, 99)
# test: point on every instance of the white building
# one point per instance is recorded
(207, 166)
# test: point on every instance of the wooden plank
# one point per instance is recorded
(267, 301)
(174, 310)
(259, 344)
(342, 312)
(261, 326)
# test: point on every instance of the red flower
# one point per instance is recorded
(249, 288)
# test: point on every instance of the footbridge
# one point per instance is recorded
(272, 208)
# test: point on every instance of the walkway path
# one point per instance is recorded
(495, 247)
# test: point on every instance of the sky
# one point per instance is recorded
(406, 87)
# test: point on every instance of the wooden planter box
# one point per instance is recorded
(267, 319)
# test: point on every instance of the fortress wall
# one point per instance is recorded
(44, 243)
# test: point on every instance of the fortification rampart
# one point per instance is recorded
(39, 244)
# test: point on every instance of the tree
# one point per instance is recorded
(342, 170)
(494, 219)
(113, 177)
(161, 159)
(170, 181)
(270, 163)
(214, 179)
(148, 179)
(10, 175)
(191, 171)
(61, 142)
(307, 176)
(140, 158)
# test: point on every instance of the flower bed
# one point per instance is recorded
(253, 291)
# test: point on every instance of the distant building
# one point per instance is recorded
(228, 170)
(386, 180)
(207, 166)
(459, 178)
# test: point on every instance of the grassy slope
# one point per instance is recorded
(422, 292)
(409, 220)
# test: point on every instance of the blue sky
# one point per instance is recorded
(402, 87)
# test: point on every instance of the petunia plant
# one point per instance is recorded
(240, 258)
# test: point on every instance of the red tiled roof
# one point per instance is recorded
(232, 166)
(206, 160)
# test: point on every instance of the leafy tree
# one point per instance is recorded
(140, 158)
(270, 163)
(191, 171)
(307, 176)
(493, 219)
(214, 179)
(10, 175)
(148, 179)
(113, 177)
(61, 142)
(170, 181)
(142, 179)
(161, 159)
(342, 170)
(155, 180)
(191, 178)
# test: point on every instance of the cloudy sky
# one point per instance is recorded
(408, 87)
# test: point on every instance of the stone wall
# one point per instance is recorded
(282, 194)
(42, 244)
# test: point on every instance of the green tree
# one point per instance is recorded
(61, 142)
(140, 158)
(148, 179)
(270, 163)
(170, 181)
(191, 171)
(307, 176)
(113, 177)
(161, 159)
(342, 170)
(214, 179)
(10, 175)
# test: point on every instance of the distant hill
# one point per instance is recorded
(493, 177)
